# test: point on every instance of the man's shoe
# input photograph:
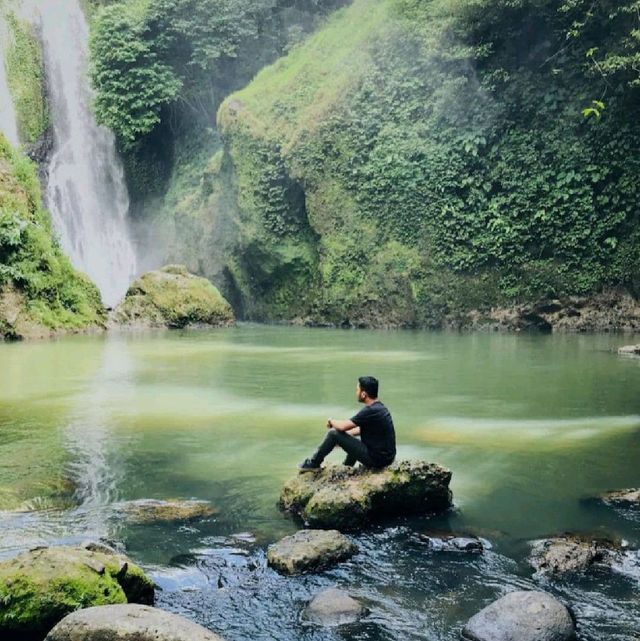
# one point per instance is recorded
(308, 466)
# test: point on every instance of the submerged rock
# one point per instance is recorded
(333, 607)
(172, 297)
(146, 511)
(522, 616)
(571, 554)
(309, 550)
(629, 350)
(347, 498)
(128, 623)
(40, 587)
(622, 498)
(453, 543)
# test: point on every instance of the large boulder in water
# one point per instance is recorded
(348, 498)
(172, 297)
(522, 616)
(40, 587)
(128, 623)
(309, 550)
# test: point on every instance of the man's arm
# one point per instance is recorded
(342, 426)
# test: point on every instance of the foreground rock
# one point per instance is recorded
(629, 350)
(40, 587)
(347, 498)
(309, 550)
(571, 554)
(522, 616)
(622, 498)
(128, 623)
(172, 297)
(147, 511)
(333, 607)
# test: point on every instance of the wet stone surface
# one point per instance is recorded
(310, 550)
(570, 554)
(128, 623)
(522, 615)
(333, 607)
(228, 587)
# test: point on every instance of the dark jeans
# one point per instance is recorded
(356, 450)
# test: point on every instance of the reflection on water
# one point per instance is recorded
(529, 425)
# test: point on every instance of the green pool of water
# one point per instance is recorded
(529, 425)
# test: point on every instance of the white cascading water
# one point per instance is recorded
(85, 192)
(8, 121)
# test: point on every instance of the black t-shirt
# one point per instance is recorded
(377, 432)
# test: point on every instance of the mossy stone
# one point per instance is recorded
(40, 587)
(172, 297)
(347, 498)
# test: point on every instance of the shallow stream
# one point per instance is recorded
(530, 425)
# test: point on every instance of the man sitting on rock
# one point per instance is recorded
(376, 446)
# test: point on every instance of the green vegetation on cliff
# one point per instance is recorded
(40, 291)
(409, 161)
(445, 155)
(147, 56)
(25, 74)
(185, 58)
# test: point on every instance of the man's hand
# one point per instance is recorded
(341, 426)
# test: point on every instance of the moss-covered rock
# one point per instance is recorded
(172, 297)
(310, 550)
(347, 498)
(40, 292)
(40, 587)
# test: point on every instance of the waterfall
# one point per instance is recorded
(85, 192)
(8, 121)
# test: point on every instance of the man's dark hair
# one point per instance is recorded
(369, 385)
